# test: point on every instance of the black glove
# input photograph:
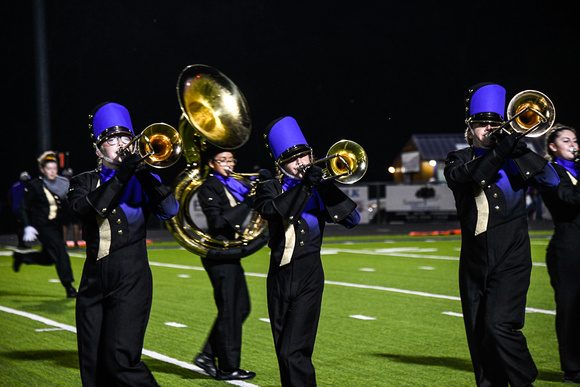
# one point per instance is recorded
(249, 200)
(519, 149)
(507, 145)
(128, 167)
(313, 176)
(154, 189)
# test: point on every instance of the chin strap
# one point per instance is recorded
(107, 159)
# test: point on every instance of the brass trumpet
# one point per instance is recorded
(159, 145)
(530, 113)
(346, 162)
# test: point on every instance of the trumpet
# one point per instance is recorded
(530, 113)
(345, 162)
(159, 145)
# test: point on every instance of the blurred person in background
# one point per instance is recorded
(42, 215)
(563, 252)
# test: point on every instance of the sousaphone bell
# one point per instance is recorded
(214, 111)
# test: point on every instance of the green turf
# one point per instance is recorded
(408, 341)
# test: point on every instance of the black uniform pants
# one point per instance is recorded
(53, 252)
(112, 312)
(563, 262)
(232, 300)
(494, 280)
(294, 302)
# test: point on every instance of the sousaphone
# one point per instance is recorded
(214, 111)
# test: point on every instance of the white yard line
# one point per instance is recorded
(351, 285)
(146, 352)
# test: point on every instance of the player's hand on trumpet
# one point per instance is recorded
(313, 176)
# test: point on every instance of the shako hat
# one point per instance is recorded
(285, 139)
(485, 102)
(109, 119)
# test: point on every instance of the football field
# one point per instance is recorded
(391, 316)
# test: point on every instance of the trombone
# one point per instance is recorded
(346, 162)
(159, 145)
(530, 113)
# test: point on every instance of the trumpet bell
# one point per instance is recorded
(534, 113)
(160, 144)
(346, 162)
(214, 106)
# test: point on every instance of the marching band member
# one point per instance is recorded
(225, 203)
(563, 253)
(296, 208)
(114, 300)
(488, 180)
(42, 213)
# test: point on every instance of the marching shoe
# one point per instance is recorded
(71, 292)
(571, 377)
(235, 375)
(17, 261)
(206, 363)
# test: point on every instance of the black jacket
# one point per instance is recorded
(289, 233)
(40, 207)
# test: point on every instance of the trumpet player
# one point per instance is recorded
(297, 206)
(116, 289)
(225, 202)
(488, 180)
(563, 252)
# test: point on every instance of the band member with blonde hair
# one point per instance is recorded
(42, 213)
(563, 252)
(113, 203)
(297, 206)
(489, 179)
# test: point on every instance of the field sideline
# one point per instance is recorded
(391, 316)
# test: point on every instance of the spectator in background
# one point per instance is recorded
(15, 195)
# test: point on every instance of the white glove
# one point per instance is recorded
(30, 234)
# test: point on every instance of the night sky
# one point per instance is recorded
(372, 72)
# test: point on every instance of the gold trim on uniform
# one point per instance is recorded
(574, 180)
(52, 206)
(104, 237)
(482, 210)
(290, 237)
(231, 198)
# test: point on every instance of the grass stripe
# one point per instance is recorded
(146, 352)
